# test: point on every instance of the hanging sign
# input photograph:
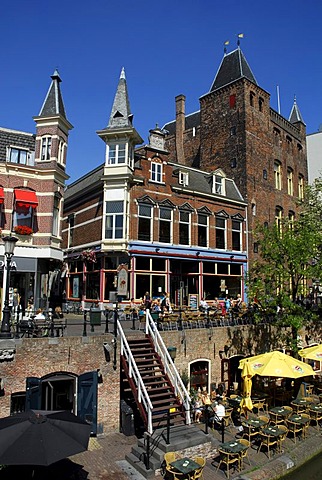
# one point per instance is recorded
(122, 280)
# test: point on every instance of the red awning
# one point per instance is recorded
(1, 195)
(25, 198)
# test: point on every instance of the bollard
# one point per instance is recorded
(106, 320)
(84, 325)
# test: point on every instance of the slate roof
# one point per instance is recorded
(91, 181)
(192, 120)
(53, 104)
(201, 182)
(295, 115)
(121, 111)
(233, 67)
(15, 138)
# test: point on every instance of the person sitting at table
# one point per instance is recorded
(220, 412)
(198, 407)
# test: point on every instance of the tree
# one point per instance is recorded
(289, 257)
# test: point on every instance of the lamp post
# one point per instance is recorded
(9, 246)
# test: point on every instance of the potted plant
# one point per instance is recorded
(88, 256)
(23, 230)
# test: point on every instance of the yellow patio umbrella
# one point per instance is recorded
(313, 353)
(277, 364)
(247, 374)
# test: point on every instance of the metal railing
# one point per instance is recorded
(169, 366)
(134, 373)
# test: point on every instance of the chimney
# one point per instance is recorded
(180, 127)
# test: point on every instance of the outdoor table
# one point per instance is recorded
(185, 465)
(254, 422)
(316, 407)
(302, 401)
(299, 419)
(280, 411)
(233, 447)
(273, 431)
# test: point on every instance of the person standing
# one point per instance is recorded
(147, 301)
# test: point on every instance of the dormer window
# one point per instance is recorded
(21, 156)
(184, 178)
(117, 154)
(218, 184)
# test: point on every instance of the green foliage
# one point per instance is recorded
(289, 259)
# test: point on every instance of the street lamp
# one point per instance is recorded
(9, 246)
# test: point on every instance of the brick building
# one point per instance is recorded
(167, 226)
(32, 180)
(237, 130)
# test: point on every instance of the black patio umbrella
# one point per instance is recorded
(40, 437)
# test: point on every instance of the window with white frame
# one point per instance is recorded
(71, 228)
(156, 172)
(202, 230)
(61, 151)
(221, 232)
(23, 216)
(236, 232)
(278, 175)
(116, 154)
(18, 155)
(291, 219)
(183, 178)
(145, 222)
(56, 212)
(278, 218)
(45, 148)
(165, 223)
(114, 219)
(301, 187)
(184, 227)
(290, 181)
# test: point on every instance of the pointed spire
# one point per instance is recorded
(121, 115)
(53, 104)
(233, 67)
(295, 115)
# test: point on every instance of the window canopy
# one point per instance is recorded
(25, 198)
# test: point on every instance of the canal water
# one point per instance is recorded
(311, 470)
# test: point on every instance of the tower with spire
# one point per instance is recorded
(120, 136)
(237, 130)
(52, 128)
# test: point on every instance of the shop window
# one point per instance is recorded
(17, 403)
(199, 375)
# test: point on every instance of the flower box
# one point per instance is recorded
(23, 230)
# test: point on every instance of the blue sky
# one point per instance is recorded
(166, 49)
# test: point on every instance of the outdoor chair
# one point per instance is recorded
(172, 474)
(250, 432)
(260, 406)
(282, 437)
(306, 425)
(275, 418)
(229, 459)
(294, 428)
(264, 419)
(244, 453)
(315, 417)
(267, 441)
(299, 408)
(198, 474)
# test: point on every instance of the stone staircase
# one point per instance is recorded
(166, 406)
(182, 437)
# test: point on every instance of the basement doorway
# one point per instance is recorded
(65, 391)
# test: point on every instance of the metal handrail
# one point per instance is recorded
(134, 373)
(169, 366)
